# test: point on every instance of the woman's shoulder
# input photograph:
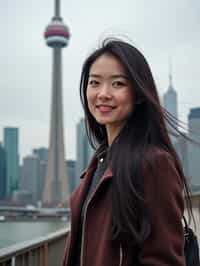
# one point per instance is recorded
(156, 154)
(160, 162)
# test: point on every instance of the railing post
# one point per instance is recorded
(44, 254)
(13, 261)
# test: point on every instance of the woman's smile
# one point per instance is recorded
(104, 109)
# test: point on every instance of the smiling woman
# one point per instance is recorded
(129, 206)
(109, 94)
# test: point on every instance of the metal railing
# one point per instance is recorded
(49, 250)
(42, 251)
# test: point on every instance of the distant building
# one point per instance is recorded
(170, 98)
(21, 180)
(181, 146)
(170, 104)
(2, 173)
(71, 170)
(41, 178)
(30, 177)
(194, 149)
(11, 144)
(84, 150)
(22, 197)
(42, 153)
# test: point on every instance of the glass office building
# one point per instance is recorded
(11, 144)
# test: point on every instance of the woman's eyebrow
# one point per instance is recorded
(120, 76)
(112, 76)
(94, 76)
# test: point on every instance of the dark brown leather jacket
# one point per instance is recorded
(163, 193)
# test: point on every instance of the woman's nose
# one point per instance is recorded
(104, 91)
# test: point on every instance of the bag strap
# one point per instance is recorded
(185, 223)
(186, 229)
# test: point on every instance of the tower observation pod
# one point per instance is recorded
(56, 185)
(57, 34)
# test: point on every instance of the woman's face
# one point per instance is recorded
(109, 93)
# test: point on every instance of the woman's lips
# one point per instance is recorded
(105, 108)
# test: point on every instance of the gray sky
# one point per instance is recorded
(158, 28)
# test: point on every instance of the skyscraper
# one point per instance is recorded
(181, 146)
(71, 167)
(30, 179)
(193, 149)
(2, 173)
(170, 98)
(12, 159)
(170, 104)
(56, 188)
(84, 150)
(42, 153)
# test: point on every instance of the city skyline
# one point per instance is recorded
(26, 63)
(33, 169)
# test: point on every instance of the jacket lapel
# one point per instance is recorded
(78, 196)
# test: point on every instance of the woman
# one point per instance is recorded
(128, 207)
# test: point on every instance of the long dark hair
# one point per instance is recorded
(145, 129)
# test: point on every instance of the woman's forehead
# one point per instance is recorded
(107, 64)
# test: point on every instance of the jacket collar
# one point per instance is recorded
(101, 151)
(93, 163)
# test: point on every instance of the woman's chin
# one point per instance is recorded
(103, 121)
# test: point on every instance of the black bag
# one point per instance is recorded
(191, 247)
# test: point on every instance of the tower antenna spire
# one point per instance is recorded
(57, 8)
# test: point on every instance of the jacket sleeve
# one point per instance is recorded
(164, 198)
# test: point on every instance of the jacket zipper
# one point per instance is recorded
(121, 255)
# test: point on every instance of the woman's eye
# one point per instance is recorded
(93, 83)
(118, 84)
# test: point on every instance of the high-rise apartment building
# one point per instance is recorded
(11, 143)
(194, 149)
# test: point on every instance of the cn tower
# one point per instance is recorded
(56, 185)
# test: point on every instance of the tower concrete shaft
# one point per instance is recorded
(56, 190)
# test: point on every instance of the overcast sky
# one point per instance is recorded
(160, 29)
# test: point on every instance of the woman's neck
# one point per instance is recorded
(113, 132)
